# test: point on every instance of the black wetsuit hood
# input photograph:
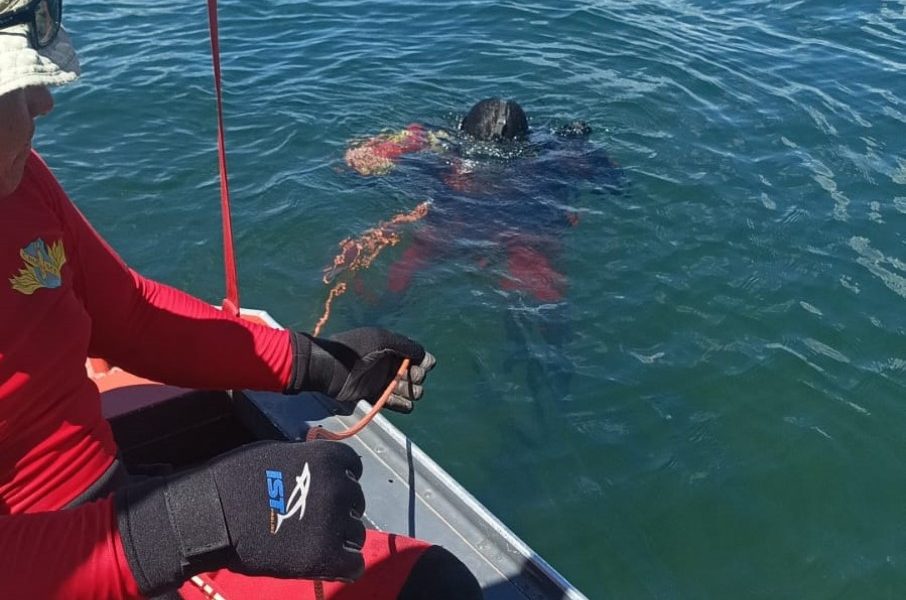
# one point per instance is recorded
(495, 119)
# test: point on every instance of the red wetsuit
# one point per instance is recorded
(65, 295)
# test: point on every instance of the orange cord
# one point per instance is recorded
(337, 290)
(359, 253)
(356, 254)
(319, 432)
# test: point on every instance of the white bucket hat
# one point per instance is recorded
(22, 66)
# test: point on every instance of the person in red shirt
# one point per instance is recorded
(65, 295)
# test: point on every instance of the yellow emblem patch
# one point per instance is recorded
(42, 267)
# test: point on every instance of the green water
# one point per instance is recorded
(733, 421)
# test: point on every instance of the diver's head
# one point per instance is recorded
(494, 119)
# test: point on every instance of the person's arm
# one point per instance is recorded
(161, 333)
(158, 332)
(73, 554)
(377, 155)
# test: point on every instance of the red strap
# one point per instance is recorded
(231, 302)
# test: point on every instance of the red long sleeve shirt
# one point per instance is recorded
(64, 295)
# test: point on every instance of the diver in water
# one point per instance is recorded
(501, 183)
(503, 197)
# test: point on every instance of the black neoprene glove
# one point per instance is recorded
(282, 509)
(359, 364)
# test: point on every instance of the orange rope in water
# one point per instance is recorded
(359, 253)
(337, 290)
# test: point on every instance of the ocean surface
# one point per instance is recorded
(717, 406)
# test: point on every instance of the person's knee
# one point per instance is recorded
(439, 575)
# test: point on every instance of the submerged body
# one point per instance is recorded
(501, 204)
(503, 201)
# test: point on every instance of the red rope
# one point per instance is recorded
(231, 302)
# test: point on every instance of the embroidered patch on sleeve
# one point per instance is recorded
(42, 267)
